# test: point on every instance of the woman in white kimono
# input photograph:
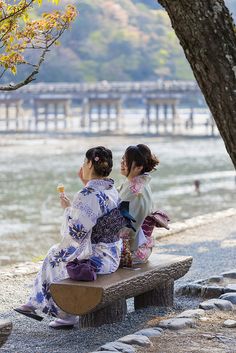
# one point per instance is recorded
(136, 164)
(96, 199)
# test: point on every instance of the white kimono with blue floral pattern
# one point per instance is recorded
(96, 199)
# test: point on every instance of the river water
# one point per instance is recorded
(31, 168)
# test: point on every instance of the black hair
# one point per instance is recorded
(141, 155)
(101, 159)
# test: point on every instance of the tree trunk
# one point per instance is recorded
(207, 34)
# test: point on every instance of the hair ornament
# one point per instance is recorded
(96, 159)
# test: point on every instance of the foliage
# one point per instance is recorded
(20, 33)
(117, 40)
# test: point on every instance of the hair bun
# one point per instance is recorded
(101, 159)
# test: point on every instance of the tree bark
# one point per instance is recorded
(114, 312)
(163, 295)
(207, 34)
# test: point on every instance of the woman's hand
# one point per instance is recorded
(65, 202)
(80, 174)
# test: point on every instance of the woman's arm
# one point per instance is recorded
(140, 205)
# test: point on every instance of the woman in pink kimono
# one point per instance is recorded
(96, 199)
(136, 164)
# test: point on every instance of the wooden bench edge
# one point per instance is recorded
(72, 301)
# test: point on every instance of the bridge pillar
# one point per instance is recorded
(165, 116)
(50, 111)
(104, 113)
(174, 115)
(108, 107)
(160, 121)
(157, 117)
(148, 120)
(118, 114)
(10, 116)
(84, 113)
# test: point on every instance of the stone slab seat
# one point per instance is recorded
(5, 330)
(103, 301)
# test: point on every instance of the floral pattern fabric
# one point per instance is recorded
(92, 202)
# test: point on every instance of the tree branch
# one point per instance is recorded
(29, 78)
(18, 12)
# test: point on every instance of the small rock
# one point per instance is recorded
(230, 288)
(105, 352)
(219, 304)
(148, 332)
(231, 297)
(230, 323)
(211, 291)
(208, 336)
(216, 279)
(195, 289)
(229, 274)
(192, 313)
(138, 340)
(177, 323)
(117, 347)
(157, 328)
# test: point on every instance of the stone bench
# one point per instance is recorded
(104, 300)
(5, 330)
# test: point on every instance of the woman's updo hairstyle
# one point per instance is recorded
(141, 155)
(101, 159)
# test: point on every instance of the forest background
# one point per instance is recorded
(116, 40)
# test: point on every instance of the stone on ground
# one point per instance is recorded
(230, 288)
(148, 332)
(117, 347)
(231, 297)
(138, 340)
(5, 330)
(229, 274)
(177, 323)
(230, 323)
(219, 304)
(195, 313)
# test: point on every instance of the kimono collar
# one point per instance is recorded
(100, 184)
(138, 182)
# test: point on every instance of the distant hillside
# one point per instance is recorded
(118, 40)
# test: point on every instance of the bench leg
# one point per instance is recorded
(161, 296)
(112, 313)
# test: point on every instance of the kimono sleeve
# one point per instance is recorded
(81, 216)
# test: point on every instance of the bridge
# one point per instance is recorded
(167, 89)
(98, 107)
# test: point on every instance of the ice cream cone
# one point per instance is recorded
(60, 188)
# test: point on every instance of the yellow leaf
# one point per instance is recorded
(13, 70)
(40, 2)
(25, 17)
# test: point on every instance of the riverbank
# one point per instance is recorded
(212, 245)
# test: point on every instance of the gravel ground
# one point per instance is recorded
(212, 245)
